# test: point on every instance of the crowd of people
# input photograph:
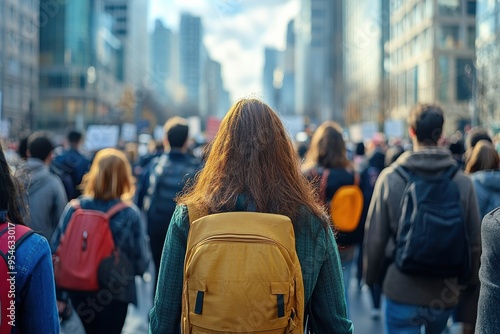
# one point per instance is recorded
(424, 241)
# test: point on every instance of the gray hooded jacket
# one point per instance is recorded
(382, 227)
(45, 197)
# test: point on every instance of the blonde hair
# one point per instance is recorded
(110, 176)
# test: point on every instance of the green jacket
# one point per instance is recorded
(321, 271)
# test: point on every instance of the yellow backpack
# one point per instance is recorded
(242, 275)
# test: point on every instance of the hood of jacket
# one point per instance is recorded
(429, 160)
(33, 174)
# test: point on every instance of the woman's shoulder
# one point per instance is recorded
(30, 250)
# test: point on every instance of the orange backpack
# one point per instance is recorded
(346, 205)
(242, 275)
(84, 245)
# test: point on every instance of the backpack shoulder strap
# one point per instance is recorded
(403, 172)
(450, 173)
(357, 178)
(21, 232)
(117, 208)
(323, 184)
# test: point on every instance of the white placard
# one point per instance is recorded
(129, 132)
(101, 136)
(394, 128)
(158, 133)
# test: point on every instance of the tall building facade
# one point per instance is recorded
(319, 79)
(161, 60)
(217, 96)
(366, 31)
(272, 67)
(78, 65)
(192, 60)
(130, 19)
(287, 103)
(19, 38)
(432, 55)
(487, 111)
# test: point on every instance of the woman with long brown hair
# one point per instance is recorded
(326, 164)
(108, 183)
(252, 156)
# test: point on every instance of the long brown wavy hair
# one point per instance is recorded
(327, 148)
(252, 155)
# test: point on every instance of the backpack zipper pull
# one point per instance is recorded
(84, 244)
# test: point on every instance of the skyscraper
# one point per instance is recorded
(192, 57)
(19, 33)
(366, 31)
(161, 60)
(130, 26)
(272, 66)
(287, 103)
(319, 84)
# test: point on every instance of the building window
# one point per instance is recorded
(471, 37)
(471, 7)
(448, 37)
(443, 78)
(449, 7)
(465, 75)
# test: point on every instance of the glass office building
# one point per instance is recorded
(366, 31)
(79, 60)
(431, 57)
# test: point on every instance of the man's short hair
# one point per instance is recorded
(427, 121)
(176, 131)
(74, 137)
(40, 146)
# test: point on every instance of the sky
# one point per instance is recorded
(235, 34)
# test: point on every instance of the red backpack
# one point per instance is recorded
(11, 236)
(85, 244)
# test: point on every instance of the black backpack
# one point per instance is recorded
(168, 180)
(431, 239)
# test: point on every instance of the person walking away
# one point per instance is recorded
(369, 176)
(108, 183)
(326, 164)
(252, 165)
(163, 180)
(25, 267)
(482, 167)
(429, 268)
(71, 165)
(45, 193)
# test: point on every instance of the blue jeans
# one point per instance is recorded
(414, 319)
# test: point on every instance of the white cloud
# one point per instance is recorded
(236, 32)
